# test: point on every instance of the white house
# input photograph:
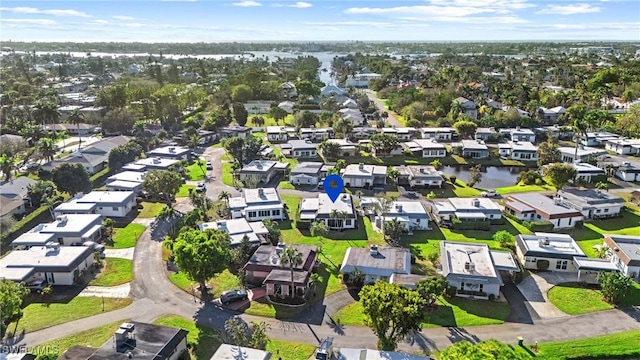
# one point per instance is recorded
(73, 229)
(558, 249)
(438, 133)
(427, 148)
(361, 80)
(58, 265)
(403, 133)
(465, 209)
(623, 146)
(234, 352)
(338, 215)
(257, 106)
(170, 152)
(593, 204)
(568, 154)
(316, 134)
(419, 176)
(473, 149)
(280, 133)
(469, 108)
(412, 214)
(302, 149)
(551, 115)
(519, 134)
(306, 173)
(377, 263)
(588, 173)
(624, 253)
(150, 163)
(105, 203)
(519, 150)
(257, 205)
(332, 90)
(364, 176)
(599, 138)
(262, 171)
(628, 171)
(484, 133)
(538, 207)
(238, 229)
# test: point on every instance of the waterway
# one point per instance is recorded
(492, 176)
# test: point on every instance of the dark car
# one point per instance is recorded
(230, 296)
(201, 188)
(36, 285)
(209, 165)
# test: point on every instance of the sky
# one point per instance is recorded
(319, 20)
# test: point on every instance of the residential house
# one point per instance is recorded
(583, 154)
(624, 253)
(427, 148)
(474, 269)
(338, 215)
(368, 354)
(170, 152)
(403, 133)
(376, 263)
(235, 352)
(316, 134)
(485, 134)
(407, 280)
(306, 173)
(287, 106)
(30, 239)
(204, 136)
(58, 265)
(465, 209)
(301, 149)
(361, 80)
(519, 134)
(593, 204)
(628, 171)
(469, 108)
(105, 203)
(521, 113)
(14, 196)
(280, 133)
(623, 146)
(233, 131)
(257, 106)
(73, 129)
(438, 133)
(73, 229)
(560, 132)
(126, 179)
(412, 214)
(588, 173)
(264, 268)
(237, 229)
(474, 149)
(518, 150)
(538, 207)
(364, 176)
(362, 132)
(94, 157)
(257, 205)
(136, 340)
(332, 90)
(599, 138)
(353, 115)
(149, 164)
(350, 104)
(262, 171)
(419, 176)
(288, 91)
(550, 116)
(347, 148)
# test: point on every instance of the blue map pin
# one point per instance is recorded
(333, 185)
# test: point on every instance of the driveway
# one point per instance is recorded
(120, 291)
(120, 253)
(535, 287)
(391, 120)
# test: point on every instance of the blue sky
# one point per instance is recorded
(264, 20)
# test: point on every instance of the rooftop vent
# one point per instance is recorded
(469, 266)
(422, 170)
(399, 207)
(361, 166)
(544, 241)
(373, 250)
(260, 191)
(475, 202)
(280, 248)
(156, 160)
(62, 219)
(172, 149)
(345, 197)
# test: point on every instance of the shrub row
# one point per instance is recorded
(534, 226)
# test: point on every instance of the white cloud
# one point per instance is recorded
(247, 3)
(45, 22)
(55, 12)
(301, 5)
(569, 9)
(123, 17)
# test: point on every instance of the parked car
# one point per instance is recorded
(94, 245)
(200, 188)
(37, 285)
(29, 166)
(230, 296)
(489, 193)
(209, 165)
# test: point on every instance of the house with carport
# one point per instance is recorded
(411, 214)
(437, 133)
(262, 171)
(465, 209)
(426, 148)
(592, 203)
(170, 152)
(73, 229)
(306, 173)
(338, 215)
(257, 205)
(538, 207)
(364, 176)
(106, 203)
(518, 150)
(376, 263)
(624, 252)
(472, 149)
(417, 176)
(280, 133)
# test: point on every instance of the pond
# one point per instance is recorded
(492, 176)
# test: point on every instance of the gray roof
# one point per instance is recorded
(360, 170)
(75, 224)
(47, 259)
(455, 257)
(628, 247)
(557, 246)
(543, 204)
(301, 145)
(368, 354)
(588, 198)
(385, 262)
(16, 188)
(309, 168)
(267, 255)
(261, 196)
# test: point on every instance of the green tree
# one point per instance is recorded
(384, 143)
(124, 154)
(252, 148)
(292, 258)
(342, 127)
(40, 191)
(108, 229)
(119, 121)
(202, 254)
(277, 113)
(393, 231)
(560, 174)
(7, 166)
(235, 148)
(47, 149)
(320, 230)
(484, 350)
(77, 118)
(549, 151)
(466, 129)
(224, 196)
(475, 175)
(503, 237)
(305, 119)
(241, 93)
(437, 164)
(614, 286)
(273, 231)
(242, 252)
(392, 312)
(159, 183)
(238, 332)
(240, 113)
(602, 185)
(71, 178)
(11, 296)
(307, 89)
(329, 149)
(431, 288)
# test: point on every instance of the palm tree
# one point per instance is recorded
(359, 194)
(7, 166)
(393, 231)
(334, 215)
(224, 196)
(314, 280)
(580, 129)
(76, 117)
(50, 202)
(47, 149)
(292, 258)
(456, 109)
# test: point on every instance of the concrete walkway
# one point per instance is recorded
(535, 287)
(120, 291)
(120, 253)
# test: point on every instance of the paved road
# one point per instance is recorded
(155, 296)
(391, 119)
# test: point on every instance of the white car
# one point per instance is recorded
(489, 193)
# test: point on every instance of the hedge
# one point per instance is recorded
(470, 225)
(534, 226)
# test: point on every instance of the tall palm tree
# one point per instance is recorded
(456, 109)
(77, 118)
(7, 166)
(224, 196)
(334, 215)
(393, 231)
(580, 129)
(47, 149)
(293, 258)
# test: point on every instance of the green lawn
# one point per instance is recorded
(39, 316)
(523, 188)
(185, 190)
(127, 236)
(151, 209)
(591, 233)
(575, 299)
(460, 189)
(202, 341)
(286, 185)
(94, 338)
(116, 272)
(227, 174)
(196, 172)
(292, 162)
(451, 312)
(290, 350)
(268, 120)
(621, 345)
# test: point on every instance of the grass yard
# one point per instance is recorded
(92, 338)
(286, 185)
(621, 345)
(451, 312)
(460, 189)
(575, 299)
(523, 188)
(185, 190)
(590, 233)
(116, 272)
(151, 209)
(196, 172)
(290, 350)
(127, 236)
(39, 316)
(227, 174)
(268, 120)
(202, 341)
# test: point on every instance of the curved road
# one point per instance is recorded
(154, 295)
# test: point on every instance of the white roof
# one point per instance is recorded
(169, 150)
(364, 171)
(130, 176)
(233, 352)
(558, 244)
(106, 197)
(367, 354)
(456, 255)
(322, 205)
(75, 223)
(261, 196)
